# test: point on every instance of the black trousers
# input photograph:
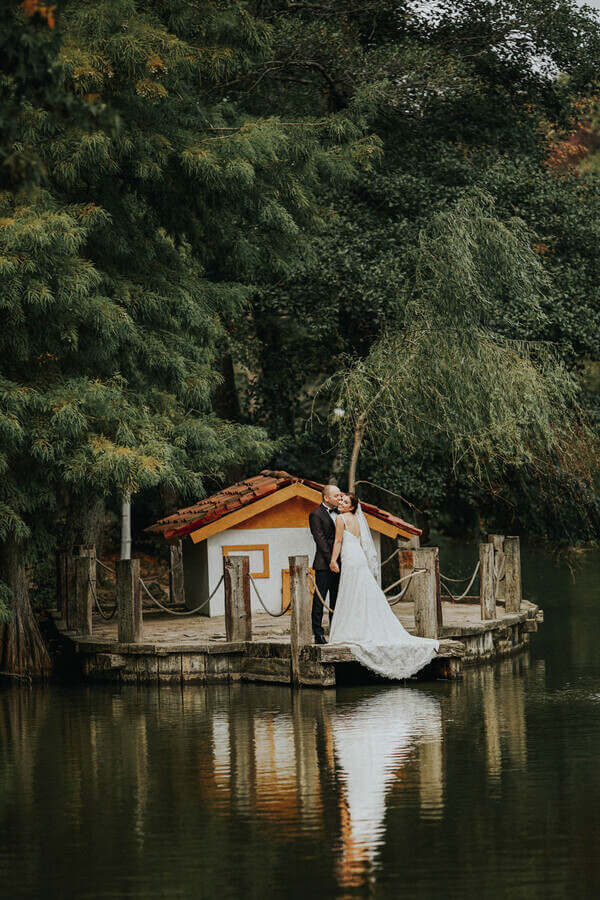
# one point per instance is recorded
(327, 583)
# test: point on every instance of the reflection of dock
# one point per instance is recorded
(255, 771)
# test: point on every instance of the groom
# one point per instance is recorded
(322, 526)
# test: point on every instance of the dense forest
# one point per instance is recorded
(349, 238)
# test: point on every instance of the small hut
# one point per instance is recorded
(266, 519)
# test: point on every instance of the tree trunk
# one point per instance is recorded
(226, 399)
(86, 521)
(22, 650)
(359, 432)
(169, 499)
(126, 527)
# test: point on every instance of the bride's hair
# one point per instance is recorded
(354, 501)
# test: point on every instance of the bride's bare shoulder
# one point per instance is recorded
(353, 524)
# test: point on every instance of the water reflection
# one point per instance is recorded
(202, 769)
(487, 787)
(375, 743)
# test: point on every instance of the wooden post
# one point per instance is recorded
(64, 561)
(300, 620)
(497, 541)
(82, 601)
(487, 597)
(425, 593)
(89, 550)
(406, 563)
(70, 593)
(512, 585)
(129, 600)
(238, 617)
(176, 573)
(438, 593)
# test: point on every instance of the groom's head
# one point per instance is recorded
(331, 495)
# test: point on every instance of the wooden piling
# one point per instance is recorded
(300, 619)
(487, 597)
(438, 592)
(497, 541)
(82, 600)
(176, 586)
(406, 564)
(238, 616)
(63, 582)
(129, 600)
(424, 591)
(512, 584)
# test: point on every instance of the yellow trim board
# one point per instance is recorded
(251, 509)
(292, 490)
(385, 528)
(226, 550)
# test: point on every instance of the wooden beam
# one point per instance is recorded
(129, 599)
(63, 579)
(497, 540)
(81, 609)
(487, 595)
(425, 592)
(238, 616)
(176, 588)
(512, 582)
(406, 564)
(300, 620)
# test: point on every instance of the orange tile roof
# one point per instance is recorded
(246, 492)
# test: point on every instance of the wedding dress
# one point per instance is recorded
(364, 621)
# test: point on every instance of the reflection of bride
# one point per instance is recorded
(371, 742)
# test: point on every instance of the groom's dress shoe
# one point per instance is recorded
(320, 639)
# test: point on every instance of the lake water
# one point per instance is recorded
(484, 788)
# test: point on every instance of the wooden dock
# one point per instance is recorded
(161, 646)
(196, 649)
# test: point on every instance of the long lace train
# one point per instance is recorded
(364, 622)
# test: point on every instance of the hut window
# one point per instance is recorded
(258, 554)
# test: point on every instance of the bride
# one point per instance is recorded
(363, 619)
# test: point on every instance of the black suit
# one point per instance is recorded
(323, 531)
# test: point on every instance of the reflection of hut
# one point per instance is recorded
(264, 518)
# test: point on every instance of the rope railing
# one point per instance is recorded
(173, 612)
(275, 615)
(396, 598)
(454, 599)
(318, 593)
(391, 556)
(404, 578)
(104, 566)
(454, 580)
(106, 616)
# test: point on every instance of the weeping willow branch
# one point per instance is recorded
(453, 376)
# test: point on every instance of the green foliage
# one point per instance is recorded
(138, 201)
(464, 100)
(450, 378)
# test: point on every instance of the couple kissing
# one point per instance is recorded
(346, 566)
